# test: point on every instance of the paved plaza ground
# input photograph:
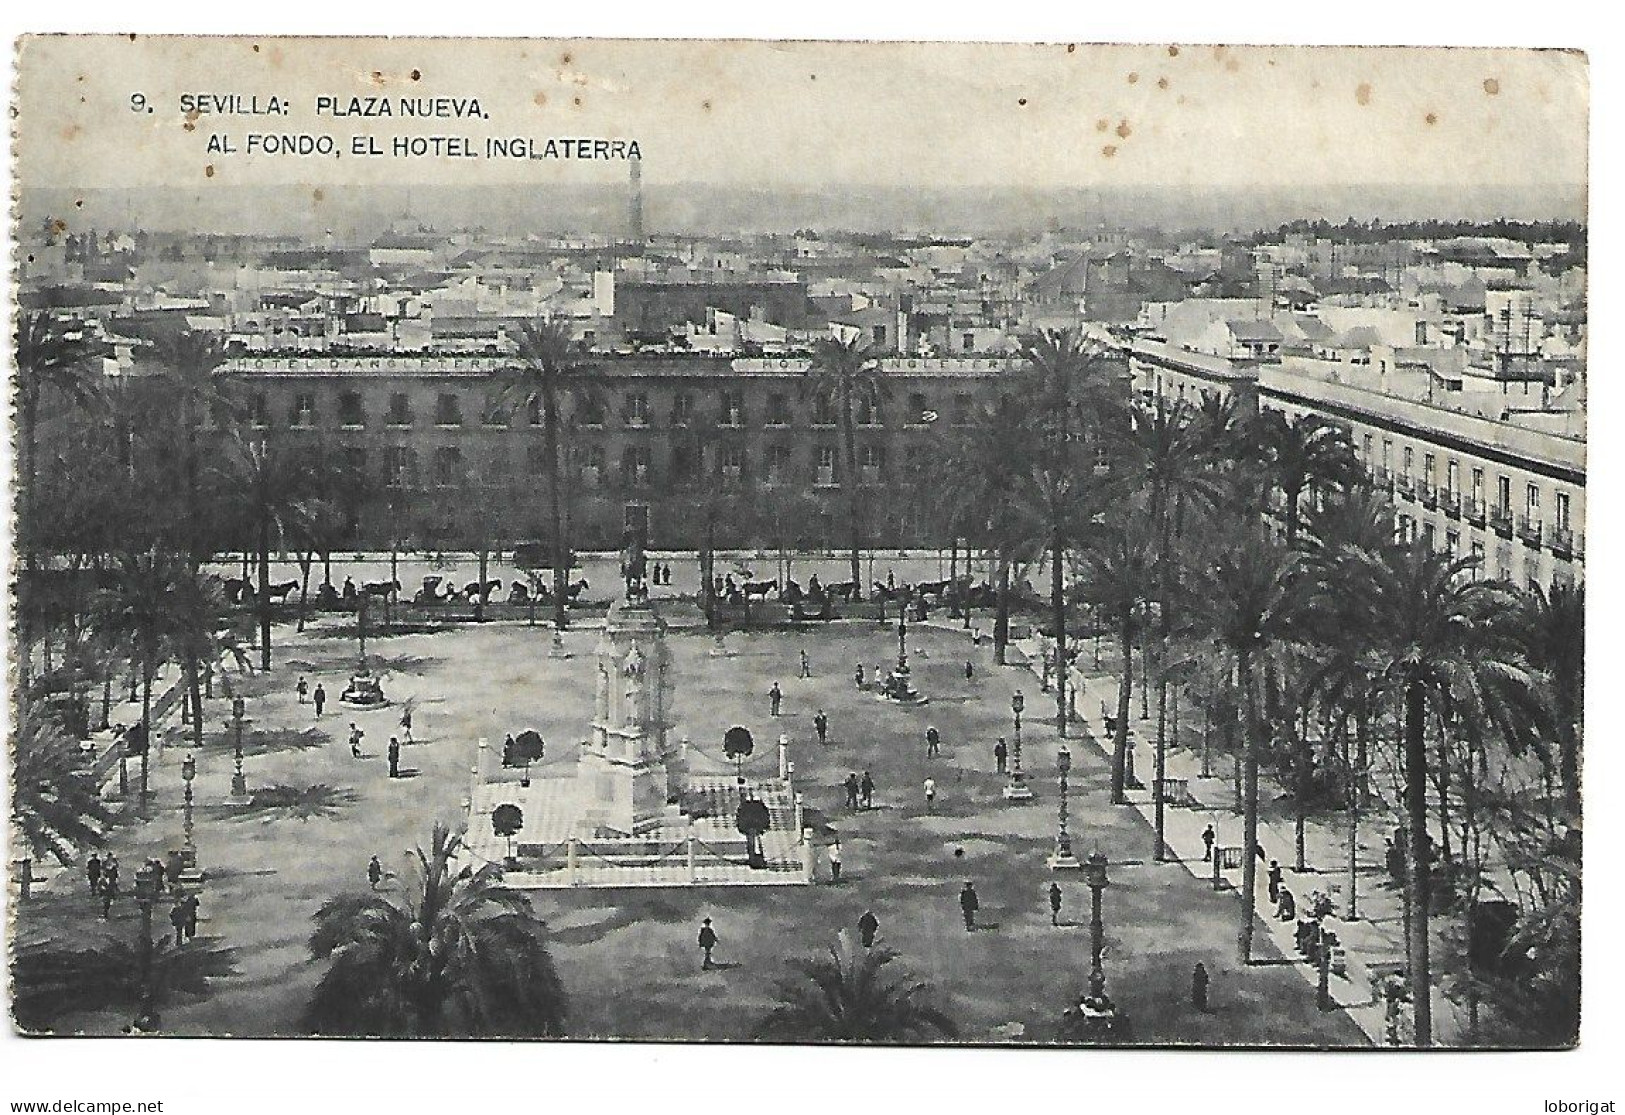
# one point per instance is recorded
(628, 959)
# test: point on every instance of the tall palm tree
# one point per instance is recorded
(1113, 571)
(552, 375)
(1301, 454)
(842, 376)
(55, 807)
(847, 996)
(456, 955)
(1553, 625)
(1442, 654)
(186, 365)
(1084, 388)
(1250, 599)
(276, 482)
(985, 462)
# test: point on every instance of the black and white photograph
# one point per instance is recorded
(738, 541)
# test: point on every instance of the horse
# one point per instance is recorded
(842, 590)
(575, 590)
(278, 594)
(381, 589)
(474, 588)
(759, 590)
(519, 593)
(932, 588)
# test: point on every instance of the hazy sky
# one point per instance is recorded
(807, 114)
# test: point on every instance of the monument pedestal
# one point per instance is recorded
(364, 690)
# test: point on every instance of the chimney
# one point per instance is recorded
(636, 214)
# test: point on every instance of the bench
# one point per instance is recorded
(1225, 859)
(1175, 791)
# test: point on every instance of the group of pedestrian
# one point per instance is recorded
(103, 877)
(660, 574)
(317, 696)
(860, 792)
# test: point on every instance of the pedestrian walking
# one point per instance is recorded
(806, 667)
(933, 743)
(821, 726)
(1208, 837)
(930, 794)
(968, 905)
(774, 697)
(851, 785)
(708, 941)
(109, 892)
(857, 675)
(93, 871)
(110, 871)
(1199, 988)
(835, 862)
(375, 872)
(1055, 903)
(394, 757)
(320, 697)
(406, 723)
(177, 919)
(1001, 754)
(1275, 881)
(867, 787)
(868, 926)
(1286, 907)
(970, 670)
(303, 689)
(355, 740)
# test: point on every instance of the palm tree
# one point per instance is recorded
(455, 956)
(1553, 623)
(187, 373)
(1113, 571)
(841, 376)
(1167, 459)
(1301, 454)
(55, 807)
(1442, 653)
(277, 482)
(552, 377)
(846, 995)
(983, 465)
(1249, 598)
(1084, 392)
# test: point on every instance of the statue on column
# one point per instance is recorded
(634, 566)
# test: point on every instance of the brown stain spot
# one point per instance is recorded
(1491, 86)
(577, 102)
(812, 77)
(1162, 83)
(208, 170)
(1102, 124)
(1071, 48)
(190, 122)
(1133, 78)
(706, 105)
(540, 98)
(256, 48)
(1431, 118)
(1173, 52)
(1231, 65)
(565, 61)
(58, 225)
(132, 36)
(71, 132)
(1109, 151)
(1022, 101)
(1123, 130)
(378, 77)
(316, 195)
(1362, 93)
(416, 75)
(79, 203)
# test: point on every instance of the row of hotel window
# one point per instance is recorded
(634, 410)
(588, 465)
(1452, 488)
(1502, 569)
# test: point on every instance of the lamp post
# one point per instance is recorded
(239, 784)
(1095, 878)
(1063, 859)
(188, 772)
(148, 888)
(1016, 789)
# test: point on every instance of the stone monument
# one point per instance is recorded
(630, 773)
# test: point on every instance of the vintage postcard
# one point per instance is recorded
(731, 541)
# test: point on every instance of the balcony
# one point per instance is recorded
(1451, 502)
(1430, 496)
(1406, 486)
(1567, 544)
(1529, 530)
(1477, 511)
(1501, 521)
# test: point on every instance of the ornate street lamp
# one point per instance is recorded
(1063, 859)
(239, 785)
(188, 772)
(1016, 789)
(149, 885)
(1094, 876)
